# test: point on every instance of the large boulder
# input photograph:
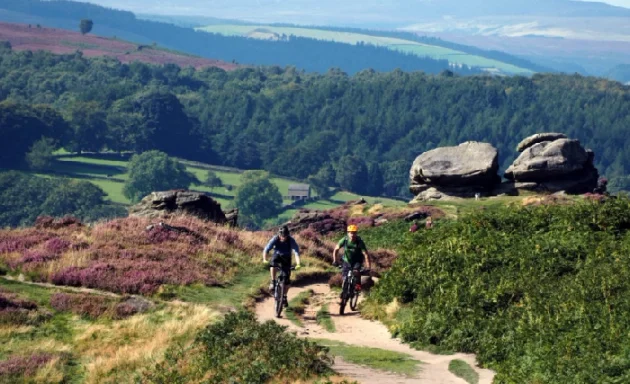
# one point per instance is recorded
(539, 138)
(455, 172)
(468, 164)
(582, 182)
(549, 165)
(549, 159)
(160, 204)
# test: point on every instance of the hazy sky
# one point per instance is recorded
(137, 6)
(620, 3)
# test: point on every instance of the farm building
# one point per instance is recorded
(299, 191)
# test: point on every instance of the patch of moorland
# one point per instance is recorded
(49, 334)
(123, 256)
(539, 293)
(103, 303)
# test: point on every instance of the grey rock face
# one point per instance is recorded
(160, 204)
(539, 138)
(546, 160)
(468, 164)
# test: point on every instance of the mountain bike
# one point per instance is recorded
(350, 290)
(278, 292)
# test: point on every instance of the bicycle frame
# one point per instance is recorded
(278, 293)
(349, 293)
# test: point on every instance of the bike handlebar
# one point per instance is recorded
(280, 266)
(360, 270)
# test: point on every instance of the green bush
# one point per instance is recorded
(240, 350)
(540, 294)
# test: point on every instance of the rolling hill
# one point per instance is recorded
(454, 57)
(24, 37)
(307, 54)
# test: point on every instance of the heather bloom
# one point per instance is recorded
(57, 245)
(8, 300)
(361, 221)
(24, 365)
(82, 304)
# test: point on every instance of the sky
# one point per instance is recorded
(619, 3)
(129, 4)
(362, 13)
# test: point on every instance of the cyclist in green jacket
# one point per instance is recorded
(355, 252)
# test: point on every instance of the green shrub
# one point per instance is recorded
(539, 293)
(241, 350)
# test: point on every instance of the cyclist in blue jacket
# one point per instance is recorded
(282, 245)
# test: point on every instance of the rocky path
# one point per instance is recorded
(354, 330)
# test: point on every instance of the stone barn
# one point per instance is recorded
(299, 192)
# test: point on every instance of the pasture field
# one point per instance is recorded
(110, 175)
(407, 46)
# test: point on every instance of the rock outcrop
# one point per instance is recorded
(460, 171)
(548, 163)
(321, 222)
(160, 204)
(552, 164)
(539, 138)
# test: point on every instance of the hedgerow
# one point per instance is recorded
(540, 294)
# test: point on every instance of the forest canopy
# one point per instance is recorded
(293, 123)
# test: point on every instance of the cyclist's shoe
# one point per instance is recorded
(285, 302)
(272, 285)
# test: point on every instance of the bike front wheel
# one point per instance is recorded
(344, 297)
(278, 295)
(354, 301)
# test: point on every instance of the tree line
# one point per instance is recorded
(368, 127)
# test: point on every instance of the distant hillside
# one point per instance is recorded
(409, 43)
(24, 37)
(620, 73)
(307, 54)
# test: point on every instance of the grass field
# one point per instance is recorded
(109, 175)
(407, 46)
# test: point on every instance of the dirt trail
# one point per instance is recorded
(354, 330)
(63, 287)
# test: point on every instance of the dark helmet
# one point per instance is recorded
(283, 231)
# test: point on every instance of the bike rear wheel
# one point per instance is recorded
(278, 295)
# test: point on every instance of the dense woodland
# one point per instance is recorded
(294, 123)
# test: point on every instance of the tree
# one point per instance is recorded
(88, 123)
(375, 180)
(257, 198)
(212, 180)
(21, 126)
(81, 199)
(322, 180)
(24, 197)
(40, 157)
(167, 125)
(85, 26)
(155, 171)
(352, 174)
